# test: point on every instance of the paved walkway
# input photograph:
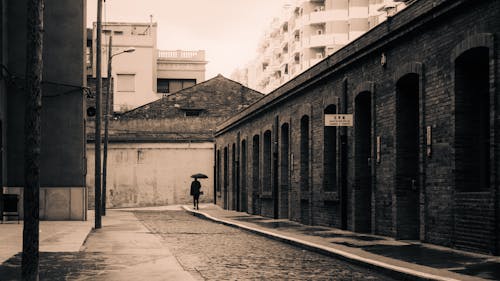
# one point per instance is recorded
(132, 251)
(123, 249)
(403, 259)
(55, 236)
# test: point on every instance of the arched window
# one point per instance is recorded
(472, 120)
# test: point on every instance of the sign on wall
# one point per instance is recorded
(338, 120)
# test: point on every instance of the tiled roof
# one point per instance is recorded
(217, 97)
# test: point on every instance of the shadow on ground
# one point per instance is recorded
(413, 253)
(463, 264)
(57, 266)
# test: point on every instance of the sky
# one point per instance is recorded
(228, 30)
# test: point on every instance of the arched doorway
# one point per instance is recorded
(362, 163)
(304, 171)
(407, 181)
(255, 175)
(244, 194)
(284, 170)
(225, 180)
(234, 179)
(474, 219)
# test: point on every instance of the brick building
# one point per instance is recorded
(154, 149)
(420, 160)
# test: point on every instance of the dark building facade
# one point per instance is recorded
(63, 193)
(421, 159)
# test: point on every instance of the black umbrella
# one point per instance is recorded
(199, 176)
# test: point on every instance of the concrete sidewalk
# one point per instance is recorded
(123, 249)
(55, 236)
(131, 252)
(401, 259)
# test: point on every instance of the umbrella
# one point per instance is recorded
(199, 176)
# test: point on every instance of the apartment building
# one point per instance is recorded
(147, 73)
(306, 33)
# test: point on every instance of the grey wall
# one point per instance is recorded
(63, 138)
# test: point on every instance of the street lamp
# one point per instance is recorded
(106, 120)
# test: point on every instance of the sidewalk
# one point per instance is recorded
(401, 259)
(123, 249)
(55, 236)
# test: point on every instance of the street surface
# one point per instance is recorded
(175, 245)
(211, 251)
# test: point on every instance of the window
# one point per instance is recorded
(296, 59)
(118, 32)
(472, 121)
(173, 85)
(125, 82)
(162, 86)
(88, 56)
(140, 156)
(267, 162)
(192, 113)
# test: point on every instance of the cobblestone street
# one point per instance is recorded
(211, 251)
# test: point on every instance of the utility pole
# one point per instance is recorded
(106, 121)
(97, 182)
(32, 139)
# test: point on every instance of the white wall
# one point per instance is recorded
(153, 174)
(141, 62)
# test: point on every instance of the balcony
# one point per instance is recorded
(314, 61)
(320, 17)
(339, 14)
(181, 55)
(296, 23)
(284, 57)
(295, 47)
(265, 57)
(295, 69)
(315, 41)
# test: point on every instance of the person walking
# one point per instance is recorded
(195, 192)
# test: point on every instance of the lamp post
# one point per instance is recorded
(97, 150)
(106, 120)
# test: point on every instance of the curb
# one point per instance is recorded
(82, 247)
(385, 268)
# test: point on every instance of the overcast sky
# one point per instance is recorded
(228, 30)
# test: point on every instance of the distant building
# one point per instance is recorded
(146, 74)
(155, 148)
(63, 195)
(177, 70)
(307, 32)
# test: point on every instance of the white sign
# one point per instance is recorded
(338, 120)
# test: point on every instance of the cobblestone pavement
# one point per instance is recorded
(211, 251)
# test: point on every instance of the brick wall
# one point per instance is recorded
(424, 40)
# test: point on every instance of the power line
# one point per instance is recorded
(12, 80)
